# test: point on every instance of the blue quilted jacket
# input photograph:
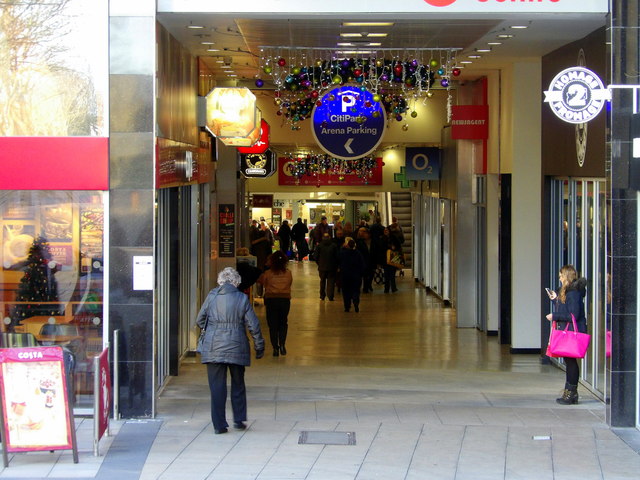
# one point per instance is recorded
(227, 314)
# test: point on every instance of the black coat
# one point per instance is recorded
(574, 304)
(352, 265)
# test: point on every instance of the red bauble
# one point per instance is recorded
(456, 72)
(282, 62)
(357, 72)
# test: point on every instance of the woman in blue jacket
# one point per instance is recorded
(225, 316)
(568, 301)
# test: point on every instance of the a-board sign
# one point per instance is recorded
(36, 413)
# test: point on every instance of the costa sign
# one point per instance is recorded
(576, 95)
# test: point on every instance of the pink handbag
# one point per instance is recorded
(566, 343)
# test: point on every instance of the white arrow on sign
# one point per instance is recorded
(347, 146)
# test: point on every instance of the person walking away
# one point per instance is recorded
(326, 256)
(277, 283)
(284, 233)
(298, 235)
(393, 263)
(365, 247)
(352, 266)
(395, 230)
(225, 316)
(569, 300)
(320, 229)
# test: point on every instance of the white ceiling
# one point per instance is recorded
(238, 38)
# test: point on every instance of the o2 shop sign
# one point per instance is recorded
(348, 123)
(576, 95)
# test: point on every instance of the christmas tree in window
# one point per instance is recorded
(38, 286)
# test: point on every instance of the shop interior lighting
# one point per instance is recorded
(368, 24)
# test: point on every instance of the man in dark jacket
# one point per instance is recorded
(326, 255)
(298, 233)
(284, 234)
(225, 316)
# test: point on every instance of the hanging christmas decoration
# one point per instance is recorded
(313, 165)
(301, 75)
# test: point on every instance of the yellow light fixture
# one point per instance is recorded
(232, 112)
(247, 141)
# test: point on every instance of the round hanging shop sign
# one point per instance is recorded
(348, 123)
(576, 95)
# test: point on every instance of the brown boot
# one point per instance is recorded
(569, 396)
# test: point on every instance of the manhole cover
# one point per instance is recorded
(327, 438)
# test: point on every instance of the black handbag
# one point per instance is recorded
(200, 343)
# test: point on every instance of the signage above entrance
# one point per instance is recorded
(348, 123)
(384, 6)
(257, 165)
(576, 95)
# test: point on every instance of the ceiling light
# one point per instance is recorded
(350, 35)
(374, 44)
(207, 43)
(354, 52)
(483, 50)
(494, 43)
(191, 25)
(504, 35)
(466, 61)
(368, 24)
(231, 75)
(377, 34)
(212, 50)
(219, 61)
(519, 26)
(474, 56)
(344, 44)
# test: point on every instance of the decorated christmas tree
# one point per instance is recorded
(37, 285)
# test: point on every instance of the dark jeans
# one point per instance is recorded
(277, 313)
(217, 374)
(390, 278)
(351, 293)
(327, 284)
(573, 371)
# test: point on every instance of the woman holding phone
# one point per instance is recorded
(568, 302)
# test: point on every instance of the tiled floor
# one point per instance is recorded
(426, 401)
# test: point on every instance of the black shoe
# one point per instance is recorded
(346, 309)
(283, 351)
(276, 352)
(321, 298)
(569, 396)
(394, 290)
(239, 425)
(218, 431)
(331, 299)
(356, 308)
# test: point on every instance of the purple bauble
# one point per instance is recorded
(444, 82)
(259, 83)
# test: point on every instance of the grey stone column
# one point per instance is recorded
(622, 210)
(131, 197)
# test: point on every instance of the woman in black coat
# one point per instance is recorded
(567, 302)
(352, 266)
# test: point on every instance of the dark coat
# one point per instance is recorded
(574, 304)
(352, 265)
(326, 255)
(227, 314)
(284, 233)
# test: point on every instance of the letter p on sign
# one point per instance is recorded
(348, 101)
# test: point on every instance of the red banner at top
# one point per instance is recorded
(54, 163)
(351, 178)
(470, 122)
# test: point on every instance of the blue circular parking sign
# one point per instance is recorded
(349, 123)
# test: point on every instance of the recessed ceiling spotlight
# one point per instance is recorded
(474, 56)
(504, 35)
(368, 24)
(494, 43)
(212, 50)
(232, 75)
(483, 50)
(519, 27)
(191, 25)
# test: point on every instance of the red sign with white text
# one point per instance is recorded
(54, 163)
(324, 179)
(262, 145)
(470, 122)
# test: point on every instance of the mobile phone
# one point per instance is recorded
(549, 292)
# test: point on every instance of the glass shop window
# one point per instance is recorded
(51, 274)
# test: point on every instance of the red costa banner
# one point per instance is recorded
(470, 122)
(103, 394)
(54, 163)
(285, 177)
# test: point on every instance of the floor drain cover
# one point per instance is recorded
(327, 438)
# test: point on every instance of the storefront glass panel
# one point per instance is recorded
(51, 274)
